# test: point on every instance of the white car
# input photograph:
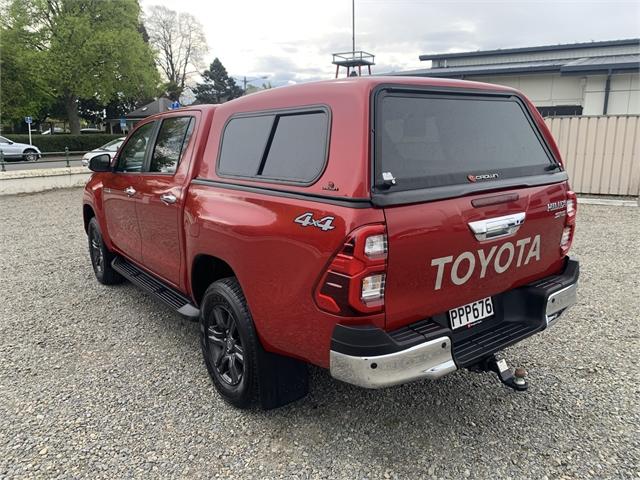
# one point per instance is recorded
(110, 148)
(18, 151)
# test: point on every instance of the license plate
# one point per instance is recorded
(471, 313)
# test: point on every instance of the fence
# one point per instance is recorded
(601, 153)
(66, 158)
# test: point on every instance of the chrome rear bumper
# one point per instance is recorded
(431, 360)
(559, 301)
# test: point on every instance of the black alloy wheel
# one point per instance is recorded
(95, 251)
(101, 256)
(225, 349)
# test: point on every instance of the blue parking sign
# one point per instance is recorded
(28, 120)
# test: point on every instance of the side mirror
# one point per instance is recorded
(100, 163)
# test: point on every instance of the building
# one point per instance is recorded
(159, 105)
(594, 78)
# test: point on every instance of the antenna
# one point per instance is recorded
(354, 58)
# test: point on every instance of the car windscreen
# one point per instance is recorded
(434, 140)
(113, 145)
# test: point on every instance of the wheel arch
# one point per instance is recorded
(206, 269)
(87, 214)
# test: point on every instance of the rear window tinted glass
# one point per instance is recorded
(428, 141)
(243, 144)
(297, 151)
(289, 147)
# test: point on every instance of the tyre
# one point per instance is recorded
(244, 374)
(29, 155)
(229, 343)
(101, 257)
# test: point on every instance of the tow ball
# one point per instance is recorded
(515, 379)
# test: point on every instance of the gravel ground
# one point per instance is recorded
(104, 382)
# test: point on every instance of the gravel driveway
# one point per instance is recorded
(103, 382)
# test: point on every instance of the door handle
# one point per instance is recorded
(497, 227)
(130, 191)
(168, 198)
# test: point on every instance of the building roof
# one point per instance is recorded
(613, 63)
(543, 48)
(159, 105)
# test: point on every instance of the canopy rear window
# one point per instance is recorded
(435, 140)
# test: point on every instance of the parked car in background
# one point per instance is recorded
(18, 151)
(91, 130)
(109, 148)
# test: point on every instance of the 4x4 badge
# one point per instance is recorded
(324, 224)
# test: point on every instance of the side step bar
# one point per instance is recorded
(156, 287)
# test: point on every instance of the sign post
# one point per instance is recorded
(28, 121)
(123, 124)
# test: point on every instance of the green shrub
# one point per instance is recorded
(56, 143)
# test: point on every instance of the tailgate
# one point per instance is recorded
(448, 165)
(436, 262)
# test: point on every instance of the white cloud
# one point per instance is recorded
(292, 40)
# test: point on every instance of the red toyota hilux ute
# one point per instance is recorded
(389, 229)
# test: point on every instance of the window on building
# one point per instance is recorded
(560, 110)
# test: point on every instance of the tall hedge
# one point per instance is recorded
(56, 143)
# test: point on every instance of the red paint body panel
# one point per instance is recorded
(279, 262)
(422, 232)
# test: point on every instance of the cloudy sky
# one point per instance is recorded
(292, 40)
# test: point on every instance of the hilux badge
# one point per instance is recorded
(551, 206)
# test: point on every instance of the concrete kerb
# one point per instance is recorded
(40, 180)
(610, 202)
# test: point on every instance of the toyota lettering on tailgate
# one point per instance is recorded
(499, 258)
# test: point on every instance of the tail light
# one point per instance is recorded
(353, 283)
(570, 223)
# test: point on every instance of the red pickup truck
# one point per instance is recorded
(388, 229)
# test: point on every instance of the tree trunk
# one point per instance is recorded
(71, 106)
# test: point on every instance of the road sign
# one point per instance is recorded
(28, 121)
(123, 123)
(175, 105)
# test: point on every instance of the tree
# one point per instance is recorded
(179, 44)
(68, 50)
(217, 85)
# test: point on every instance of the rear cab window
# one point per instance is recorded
(288, 146)
(449, 143)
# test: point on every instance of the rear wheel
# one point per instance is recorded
(101, 256)
(229, 343)
(244, 373)
(30, 155)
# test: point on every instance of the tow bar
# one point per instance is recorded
(515, 379)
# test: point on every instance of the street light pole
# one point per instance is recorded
(246, 81)
(353, 27)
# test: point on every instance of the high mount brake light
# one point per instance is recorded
(353, 284)
(570, 223)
